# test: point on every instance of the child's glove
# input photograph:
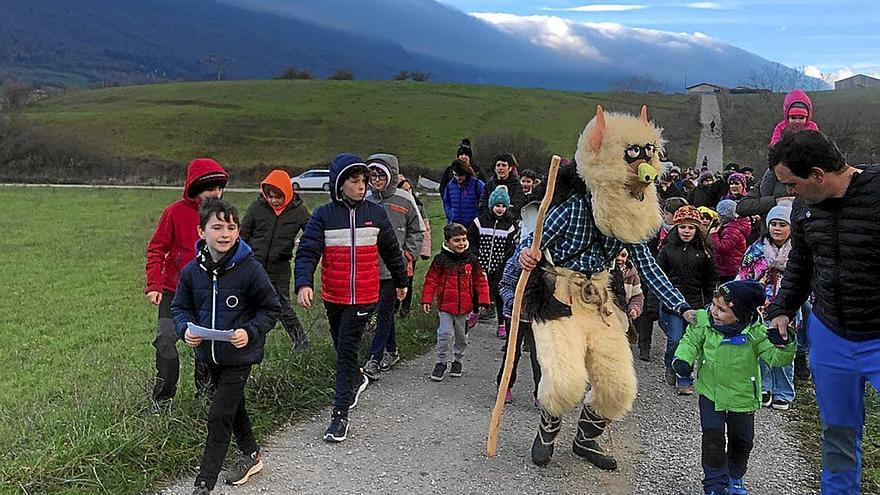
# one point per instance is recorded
(776, 339)
(682, 367)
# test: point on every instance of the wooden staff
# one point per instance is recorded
(495, 421)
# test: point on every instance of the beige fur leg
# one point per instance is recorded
(609, 363)
(561, 347)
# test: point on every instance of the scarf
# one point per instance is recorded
(215, 268)
(776, 257)
(728, 330)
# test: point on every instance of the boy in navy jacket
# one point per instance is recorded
(225, 288)
(348, 235)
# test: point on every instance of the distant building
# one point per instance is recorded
(857, 81)
(705, 89)
(740, 90)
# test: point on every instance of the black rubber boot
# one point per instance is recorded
(590, 426)
(542, 447)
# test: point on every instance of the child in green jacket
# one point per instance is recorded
(728, 340)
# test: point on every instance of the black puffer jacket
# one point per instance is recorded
(692, 271)
(272, 236)
(836, 253)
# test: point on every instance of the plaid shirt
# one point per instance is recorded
(576, 243)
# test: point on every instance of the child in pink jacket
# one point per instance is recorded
(797, 114)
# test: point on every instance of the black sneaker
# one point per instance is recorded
(766, 399)
(338, 429)
(371, 369)
(456, 369)
(781, 405)
(389, 359)
(645, 354)
(201, 489)
(359, 391)
(439, 371)
(245, 467)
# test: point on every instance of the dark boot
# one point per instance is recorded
(590, 426)
(801, 367)
(542, 447)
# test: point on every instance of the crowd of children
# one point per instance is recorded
(207, 267)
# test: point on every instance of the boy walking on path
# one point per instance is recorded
(270, 226)
(169, 250)
(225, 288)
(728, 340)
(409, 229)
(348, 235)
(453, 278)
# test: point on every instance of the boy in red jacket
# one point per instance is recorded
(170, 249)
(454, 275)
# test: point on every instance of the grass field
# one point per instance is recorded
(78, 356)
(301, 123)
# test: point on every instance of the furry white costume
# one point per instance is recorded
(580, 335)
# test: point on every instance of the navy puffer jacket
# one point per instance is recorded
(241, 297)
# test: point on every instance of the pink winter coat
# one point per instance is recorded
(798, 95)
(730, 246)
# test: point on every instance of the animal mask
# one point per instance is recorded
(618, 157)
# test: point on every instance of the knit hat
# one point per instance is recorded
(705, 176)
(744, 297)
(780, 212)
(687, 215)
(207, 181)
(705, 210)
(737, 177)
(465, 148)
(726, 210)
(798, 108)
(499, 197)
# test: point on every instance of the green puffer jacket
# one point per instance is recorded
(729, 374)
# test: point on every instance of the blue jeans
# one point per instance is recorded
(674, 326)
(841, 369)
(778, 381)
(385, 338)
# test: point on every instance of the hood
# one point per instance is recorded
(281, 180)
(200, 168)
(338, 166)
(795, 96)
(391, 164)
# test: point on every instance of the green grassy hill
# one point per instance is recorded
(300, 123)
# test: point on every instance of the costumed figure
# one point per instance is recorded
(580, 334)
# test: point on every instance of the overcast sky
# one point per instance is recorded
(832, 39)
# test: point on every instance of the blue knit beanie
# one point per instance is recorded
(744, 297)
(726, 210)
(499, 197)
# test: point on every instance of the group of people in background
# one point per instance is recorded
(208, 266)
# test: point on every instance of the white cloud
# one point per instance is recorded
(836, 75)
(704, 5)
(600, 8)
(581, 38)
(550, 31)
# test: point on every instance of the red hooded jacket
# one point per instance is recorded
(457, 281)
(796, 96)
(730, 242)
(173, 243)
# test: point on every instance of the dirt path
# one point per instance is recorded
(711, 136)
(411, 436)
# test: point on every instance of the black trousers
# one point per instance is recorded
(280, 279)
(167, 358)
(495, 296)
(347, 323)
(645, 322)
(526, 335)
(720, 462)
(226, 417)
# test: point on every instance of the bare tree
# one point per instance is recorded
(638, 84)
(420, 76)
(342, 75)
(218, 61)
(401, 76)
(16, 96)
(294, 73)
(779, 78)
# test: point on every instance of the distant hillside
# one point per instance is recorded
(300, 123)
(848, 116)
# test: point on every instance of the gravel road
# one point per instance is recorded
(410, 435)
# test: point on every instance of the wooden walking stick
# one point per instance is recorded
(495, 421)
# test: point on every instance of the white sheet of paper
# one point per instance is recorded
(209, 333)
